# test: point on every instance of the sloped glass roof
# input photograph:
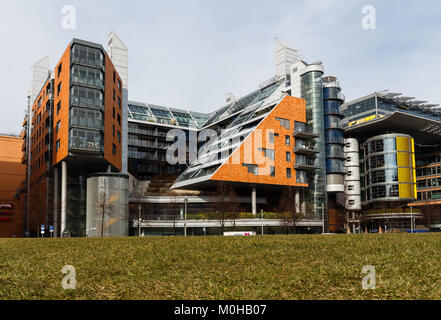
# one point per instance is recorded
(242, 103)
(211, 156)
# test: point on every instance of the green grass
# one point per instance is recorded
(270, 267)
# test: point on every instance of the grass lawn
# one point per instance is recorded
(269, 267)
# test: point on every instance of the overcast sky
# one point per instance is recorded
(190, 54)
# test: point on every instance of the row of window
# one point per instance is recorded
(429, 183)
(428, 171)
(429, 195)
(87, 97)
(87, 76)
(428, 160)
(301, 175)
(87, 55)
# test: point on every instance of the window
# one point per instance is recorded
(301, 176)
(119, 136)
(39, 102)
(252, 168)
(351, 202)
(119, 86)
(114, 78)
(114, 95)
(82, 96)
(113, 113)
(59, 69)
(288, 140)
(284, 123)
(57, 127)
(288, 156)
(85, 139)
(58, 89)
(119, 119)
(119, 102)
(272, 171)
(113, 148)
(87, 76)
(268, 153)
(57, 146)
(288, 172)
(85, 118)
(58, 107)
(113, 131)
(350, 188)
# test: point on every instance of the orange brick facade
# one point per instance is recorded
(61, 107)
(112, 115)
(12, 175)
(290, 108)
(41, 122)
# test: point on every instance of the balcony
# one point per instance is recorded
(307, 150)
(304, 133)
(309, 164)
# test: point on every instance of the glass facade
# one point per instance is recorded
(87, 97)
(85, 118)
(86, 112)
(388, 169)
(87, 55)
(333, 130)
(87, 76)
(82, 139)
(312, 92)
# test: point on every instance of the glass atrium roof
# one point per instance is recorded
(245, 114)
(165, 115)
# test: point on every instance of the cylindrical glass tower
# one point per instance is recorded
(332, 100)
(312, 92)
(389, 169)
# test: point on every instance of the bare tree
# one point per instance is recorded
(105, 206)
(226, 206)
(220, 213)
(232, 206)
(287, 211)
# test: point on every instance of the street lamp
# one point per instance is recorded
(185, 216)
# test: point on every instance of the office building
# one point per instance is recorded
(397, 140)
(75, 136)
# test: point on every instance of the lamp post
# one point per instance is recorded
(185, 216)
(139, 219)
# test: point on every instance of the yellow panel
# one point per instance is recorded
(403, 144)
(404, 159)
(414, 169)
(405, 175)
(406, 190)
